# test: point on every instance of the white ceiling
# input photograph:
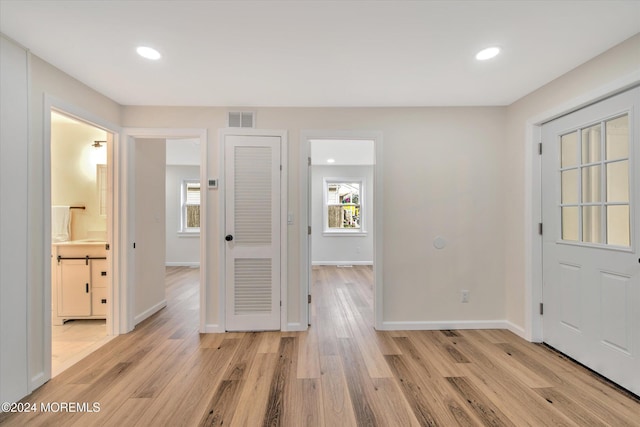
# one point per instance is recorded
(317, 53)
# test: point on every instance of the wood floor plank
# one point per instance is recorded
(449, 407)
(335, 394)
(341, 372)
(489, 413)
(581, 415)
(284, 370)
(253, 399)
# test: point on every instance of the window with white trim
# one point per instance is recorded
(190, 217)
(343, 205)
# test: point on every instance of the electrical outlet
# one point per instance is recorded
(464, 295)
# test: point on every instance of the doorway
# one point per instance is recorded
(146, 156)
(591, 237)
(341, 203)
(81, 228)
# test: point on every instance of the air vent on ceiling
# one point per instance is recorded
(241, 119)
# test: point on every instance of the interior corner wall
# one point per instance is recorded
(46, 80)
(181, 250)
(14, 179)
(620, 61)
(340, 249)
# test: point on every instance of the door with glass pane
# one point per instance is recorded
(591, 270)
(252, 218)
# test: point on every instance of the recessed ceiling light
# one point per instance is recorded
(148, 52)
(331, 160)
(487, 53)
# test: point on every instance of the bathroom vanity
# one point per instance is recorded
(79, 281)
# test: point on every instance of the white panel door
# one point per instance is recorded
(591, 270)
(252, 179)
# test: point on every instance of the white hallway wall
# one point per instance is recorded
(331, 250)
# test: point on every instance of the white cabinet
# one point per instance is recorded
(80, 282)
(74, 295)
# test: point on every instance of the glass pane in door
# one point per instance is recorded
(617, 138)
(569, 186)
(569, 150)
(570, 223)
(591, 144)
(591, 184)
(618, 181)
(591, 224)
(618, 230)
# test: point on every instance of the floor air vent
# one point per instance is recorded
(241, 119)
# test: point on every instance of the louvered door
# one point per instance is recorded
(252, 177)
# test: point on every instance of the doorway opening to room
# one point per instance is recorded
(182, 227)
(81, 228)
(165, 194)
(341, 248)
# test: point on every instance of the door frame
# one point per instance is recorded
(284, 203)
(127, 212)
(114, 314)
(533, 330)
(375, 224)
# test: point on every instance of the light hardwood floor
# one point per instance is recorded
(74, 340)
(339, 373)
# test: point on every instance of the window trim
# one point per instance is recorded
(343, 232)
(185, 231)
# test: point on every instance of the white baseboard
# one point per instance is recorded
(149, 312)
(442, 325)
(182, 264)
(213, 328)
(37, 381)
(296, 327)
(519, 331)
(342, 263)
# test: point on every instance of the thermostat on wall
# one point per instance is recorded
(213, 183)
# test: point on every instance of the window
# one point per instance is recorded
(190, 206)
(343, 201)
(594, 175)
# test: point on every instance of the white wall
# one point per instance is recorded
(14, 273)
(182, 249)
(340, 249)
(449, 164)
(74, 176)
(150, 223)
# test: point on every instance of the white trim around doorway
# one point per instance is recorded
(375, 224)
(127, 225)
(114, 315)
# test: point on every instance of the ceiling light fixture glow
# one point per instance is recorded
(488, 53)
(331, 160)
(148, 52)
